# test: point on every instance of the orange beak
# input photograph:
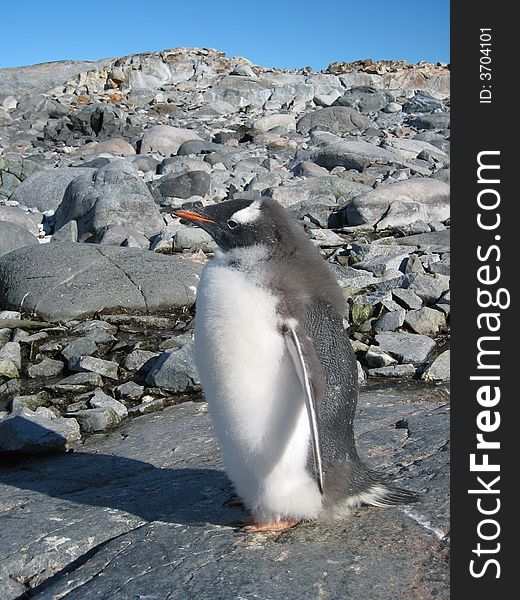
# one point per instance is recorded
(191, 215)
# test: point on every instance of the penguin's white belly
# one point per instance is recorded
(255, 398)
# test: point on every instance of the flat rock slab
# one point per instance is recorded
(64, 281)
(139, 513)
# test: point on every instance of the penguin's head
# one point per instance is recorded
(240, 223)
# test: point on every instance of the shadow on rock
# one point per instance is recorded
(187, 496)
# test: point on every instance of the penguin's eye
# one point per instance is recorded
(232, 224)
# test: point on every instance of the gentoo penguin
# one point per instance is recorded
(278, 370)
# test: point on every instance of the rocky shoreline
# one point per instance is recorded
(95, 157)
(98, 277)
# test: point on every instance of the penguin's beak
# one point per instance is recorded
(191, 215)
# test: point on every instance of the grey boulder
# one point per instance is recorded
(13, 236)
(353, 154)
(336, 119)
(68, 281)
(401, 203)
(165, 139)
(28, 431)
(406, 347)
(112, 195)
(44, 190)
(174, 370)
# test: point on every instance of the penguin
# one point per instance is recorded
(278, 370)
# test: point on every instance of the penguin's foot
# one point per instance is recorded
(249, 525)
(234, 501)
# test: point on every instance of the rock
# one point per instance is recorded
(5, 335)
(98, 278)
(102, 400)
(393, 371)
(47, 367)
(356, 155)
(239, 91)
(5, 117)
(118, 235)
(82, 346)
(336, 119)
(407, 298)
(179, 165)
(10, 360)
(366, 99)
(22, 218)
(148, 405)
(243, 69)
(427, 287)
(140, 359)
(13, 237)
(78, 382)
(44, 190)
(401, 203)
(112, 195)
(28, 432)
(160, 488)
(192, 238)
(435, 241)
(392, 108)
(434, 121)
(379, 265)
(375, 357)
(422, 103)
(325, 238)
(66, 233)
(92, 420)
(31, 401)
(284, 122)
(406, 347)
(439, 370)
(105, 368)
(165, 139)
(426, 321)
(175, 370)
(390, 321)
(130, 390)
(408, 149)
(194, 183)
(116, 146)
(305, 190)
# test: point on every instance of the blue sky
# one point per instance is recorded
(270, 33)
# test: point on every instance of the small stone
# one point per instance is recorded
(390, 321)
(25, 431)
(426, 321)
(407, 298)
(47, 367)
(78, 382)
(140, 359)
(406, 347)
(175, 370)
(393, 107)
(439, 370)
(393, 371)
(130, 390)
(32, 401)
(10, 360)
(96, 419)
(82, 346)
(427, 287)
(105, 368)
(102, 400)
(375, 357)
(148, 405)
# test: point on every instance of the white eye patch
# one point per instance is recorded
(248, 214)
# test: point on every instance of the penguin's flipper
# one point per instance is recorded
(295, 349)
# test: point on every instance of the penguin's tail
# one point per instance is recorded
(378, 492)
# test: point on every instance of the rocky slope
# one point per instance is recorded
(98, 278)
